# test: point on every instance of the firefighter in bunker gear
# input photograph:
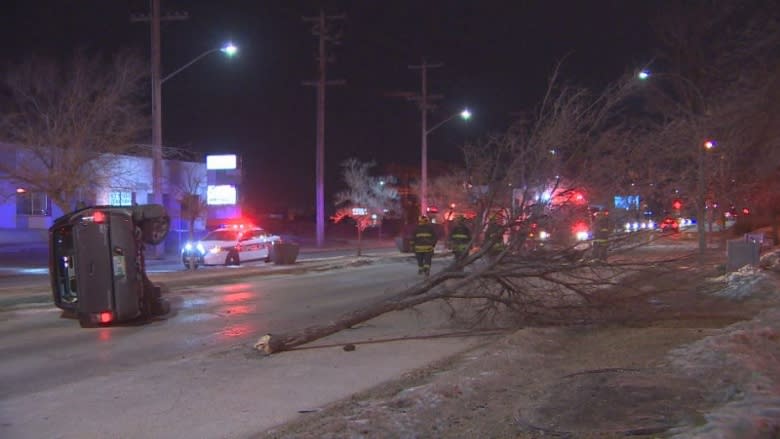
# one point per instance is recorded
(459, 238)
(601, 236)
(423, 243)
(494, 237)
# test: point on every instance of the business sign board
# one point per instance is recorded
(221, 195)
(224, 161)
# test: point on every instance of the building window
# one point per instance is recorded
(33, 203)
(120, 198)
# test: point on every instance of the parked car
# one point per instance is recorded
(230, 246)
(669, 224)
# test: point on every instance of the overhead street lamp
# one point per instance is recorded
(229, 49)
(465, 115)
(698, 108)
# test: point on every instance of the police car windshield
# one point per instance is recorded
(222, 235)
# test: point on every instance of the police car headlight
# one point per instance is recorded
(582, 236)
(190, 247)
(215, 250)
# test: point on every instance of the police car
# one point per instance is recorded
(230, 246)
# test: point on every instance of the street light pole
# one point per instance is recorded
(465, 115)
(702, 195)
(701, 203)
(156, 110)
(698, 108)
(157, 82)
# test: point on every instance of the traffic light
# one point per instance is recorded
(745, 211)
(677, 204)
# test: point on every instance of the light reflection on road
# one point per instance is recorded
(239, 330)
(104, 335)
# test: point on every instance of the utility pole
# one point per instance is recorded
(154, 19)
(323, 31)
(423, 99)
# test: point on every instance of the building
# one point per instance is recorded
(129, 182)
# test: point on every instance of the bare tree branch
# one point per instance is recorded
(69, 121)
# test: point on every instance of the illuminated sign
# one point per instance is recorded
(359, 211)
(220, 195)
(626, 202)
(227, 161)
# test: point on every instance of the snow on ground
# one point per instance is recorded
(739, 366)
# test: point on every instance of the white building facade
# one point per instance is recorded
(128, 183)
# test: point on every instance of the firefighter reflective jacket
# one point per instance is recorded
(460, 236)
(424, 238)
(495, 235)
(601, 233)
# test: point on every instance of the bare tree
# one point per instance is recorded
(190, 192)
(69, 121)
(366, 199)
(708, 101)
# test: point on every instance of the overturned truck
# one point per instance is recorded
(97, 265)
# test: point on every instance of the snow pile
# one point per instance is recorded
(771, 261)
(739, 369)
(746, 282)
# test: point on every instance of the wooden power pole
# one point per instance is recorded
(325, 34)
(154, 18)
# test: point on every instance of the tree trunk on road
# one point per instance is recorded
(276, 343)
(416, 295)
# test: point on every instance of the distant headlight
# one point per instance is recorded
(543, 235)
(582, 235)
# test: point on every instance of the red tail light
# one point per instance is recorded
(105, 317)
(99, 217)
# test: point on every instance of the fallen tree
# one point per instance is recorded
(562, 286)
(530, 177)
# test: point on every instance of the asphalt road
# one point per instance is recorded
(53, 373)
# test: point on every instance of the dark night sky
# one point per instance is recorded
(496, 55)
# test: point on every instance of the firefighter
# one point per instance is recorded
(494, 237)
(601, 236)
(460, 237)
(423, 242)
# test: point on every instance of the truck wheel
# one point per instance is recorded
(232, 258)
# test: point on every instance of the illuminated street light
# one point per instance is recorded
(644, 74)
(228, 49)
(465, 115)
